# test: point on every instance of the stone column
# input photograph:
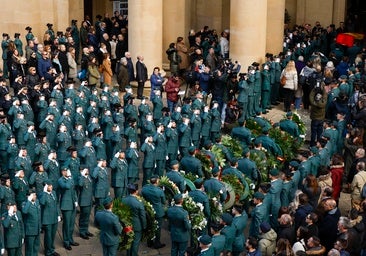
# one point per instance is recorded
(275, 25)
(62, 20)
(209, 14)
(248, 28)
(339, 11)
(176, 20)
(145, 34)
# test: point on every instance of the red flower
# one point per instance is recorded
(128, 229)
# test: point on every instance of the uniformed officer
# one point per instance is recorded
(119, 178)
(218, 240)
(23, 162)
(239, 223)
(175, 176)
(155, 195)
(247, 166)
(138, 217)
(233, 170)
(196, 126)
(85, 184)
(214, 187)
(275, 194)
(13, 230)
(101, 187)
(110, 228)
(38, 178)
(199, 196)
(68, 204)
(50, 218)
(88, 156)
(289, 126)
(215, 121)
(228, 231)
(132, 157)
(52, 167)
(171, 134)
(243, 134)
(148, 165)
(269, 144)
(179, 226)
(7, 194)
(31, 210)
(20, 187)
(190, 164)
(258, 214)
(160, 150)
(42, 148)
(184, 133)
(206, 246)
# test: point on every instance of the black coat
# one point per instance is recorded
(328, 229)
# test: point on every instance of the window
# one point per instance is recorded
(121, 6)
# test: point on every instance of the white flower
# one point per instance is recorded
(200, 205)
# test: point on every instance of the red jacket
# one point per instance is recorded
(171, 89)
(336, 174)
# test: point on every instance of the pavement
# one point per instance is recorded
(92, 247)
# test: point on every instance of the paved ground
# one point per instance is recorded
(93, 247)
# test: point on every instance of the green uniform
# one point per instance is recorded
(180, 229)
(20, 187)
(177, 179)
(110, 231)
(215, 188)
(172, 143)
(201, 197)
(119, 178)
(184, 132)
(218, 244)
(155, 195)
(239, 223)
(229, 232)
(101, 188)
(68, 203)
(269, 144)
(266, 90)
(38, 180)
(132, 157)
(275, 194)
(243, 99)
(13, 233)
(32, 226)
(148, 164)
(6, 195)
(160, 153)
(242, 134)
(85, 185)
(248, 168)
(258, 216)
(191, 164)
(50, 213)
(290, 127)
(138, 222)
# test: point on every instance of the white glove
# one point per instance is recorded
(68, 173)
(30, 197)
(11, 211)
(45, 188)
(179, 109)
(117, 128)
(83, 172)
(17, 174)
(76, 204)
(159, 129)
(169, 125)
(116, 155)
(30, 129)
(167, 157)
(2, 251)
(14, 103)
(186, 122)
(22, 240)
(50, 157)
(58, 218)
(147, 140)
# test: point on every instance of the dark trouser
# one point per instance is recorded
(140, 89)
(119, 192)
(3, 160)
(288, 98)
(110, 250)
(274, 92)
(31, 245)
(148, 172)
(133, 251)
(84, 219)
(316, 131)
(178, 248)
(98, 204)
(160, 167)
(49, 238)
(68, 224)
(14, 251)
(305, 98)
(157, 241)
(183, 151)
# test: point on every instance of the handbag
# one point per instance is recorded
(283, 80)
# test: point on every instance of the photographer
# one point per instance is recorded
(318, 101)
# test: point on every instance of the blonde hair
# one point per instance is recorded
(290, 66)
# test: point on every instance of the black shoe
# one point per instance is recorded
(56, 254)
(74, 244)
(68, 247)
(84, 237)
(158, 246)
(89, 234)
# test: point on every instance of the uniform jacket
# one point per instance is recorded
(138, 212)
(32, 218)
(179, 224)
(110, 227)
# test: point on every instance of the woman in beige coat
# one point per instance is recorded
(290, 86)
(72, 63)
(183, 53)
(106, 69)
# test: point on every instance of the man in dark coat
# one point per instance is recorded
(141, 76)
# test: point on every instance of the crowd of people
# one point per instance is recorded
(63, 147)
